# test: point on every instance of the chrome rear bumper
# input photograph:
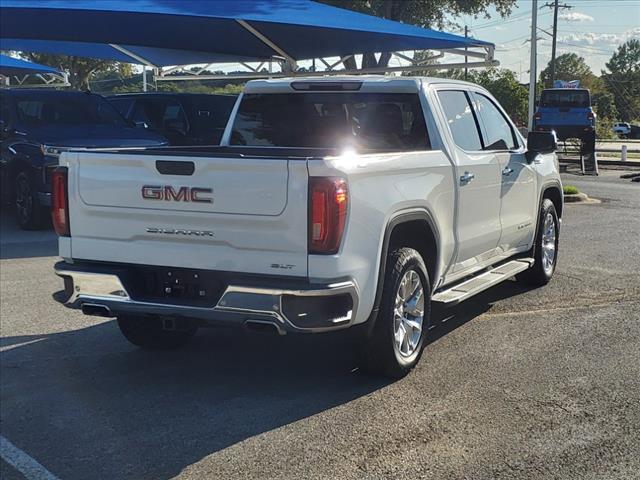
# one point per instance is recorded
(238, 304)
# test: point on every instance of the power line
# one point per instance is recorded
(512, 19)
(556, 6)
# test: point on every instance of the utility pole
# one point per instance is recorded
(555, 7)
(466, 70)
(553, 44)
(532, 63)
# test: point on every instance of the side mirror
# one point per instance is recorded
(541, 142)
(140, 125)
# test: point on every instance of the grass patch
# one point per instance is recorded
(570, 190)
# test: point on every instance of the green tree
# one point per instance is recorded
(623, 80)
(424, 13)
(503, 84)
(570, 66)
(80, 69)
(604, 105)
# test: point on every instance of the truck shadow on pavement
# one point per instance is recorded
(85, 404)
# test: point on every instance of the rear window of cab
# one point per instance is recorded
(368, 122)
(565, 98)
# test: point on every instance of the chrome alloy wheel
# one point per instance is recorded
(549, 237)
(408, 314)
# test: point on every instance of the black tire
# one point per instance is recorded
(539, 275)
(30, 214)
(381, 355)
(148, 333)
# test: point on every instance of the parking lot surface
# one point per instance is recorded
(517, 383)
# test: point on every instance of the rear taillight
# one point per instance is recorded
(537, 116)
(60, 202)
(328, 201)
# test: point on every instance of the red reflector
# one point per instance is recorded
(328, 201)
(60, 202)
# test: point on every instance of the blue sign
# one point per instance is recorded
(565, 84)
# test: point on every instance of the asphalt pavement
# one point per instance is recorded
(514, 384)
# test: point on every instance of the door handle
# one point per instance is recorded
(467, 177)
(507, 171)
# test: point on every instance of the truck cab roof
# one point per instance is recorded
(362, 83)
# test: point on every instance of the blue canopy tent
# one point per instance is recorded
(177, 32)
(15, 66)
(20, 69)
(154, 57)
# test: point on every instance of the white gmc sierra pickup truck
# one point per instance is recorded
(330, 203)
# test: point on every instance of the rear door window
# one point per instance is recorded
(497, 132)
(160, 113)
(369, 122)
(210, 111)
(123, 105)
(461, 119)
(48, 109)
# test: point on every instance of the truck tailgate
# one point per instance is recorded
(217, 213)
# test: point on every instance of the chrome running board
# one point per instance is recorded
(487, 279)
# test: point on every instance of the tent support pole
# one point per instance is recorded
(133, 55)
(375, 70)
(290, 62)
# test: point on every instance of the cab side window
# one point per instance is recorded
(461, 119)
(497, 132)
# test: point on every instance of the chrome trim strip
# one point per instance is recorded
(97, 285)
(93, 288)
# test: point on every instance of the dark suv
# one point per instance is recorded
(184, 118)
(36, 125)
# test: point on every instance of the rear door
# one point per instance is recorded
(479, 186)
(518, 202)
(206, 212)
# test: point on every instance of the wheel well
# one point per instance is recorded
(13, 169)
(417, 234)
(553, 194)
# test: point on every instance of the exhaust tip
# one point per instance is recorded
(263, 326)
(96, 310)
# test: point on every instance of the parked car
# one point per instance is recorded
(36, 125)
(622, 129)
(634, 132)
(331, 203)
(568, 112)
(184, 118)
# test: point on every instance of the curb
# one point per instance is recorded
(632, 164)
(579, 198)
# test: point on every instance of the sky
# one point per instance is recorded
(591, 28)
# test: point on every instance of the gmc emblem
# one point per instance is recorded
(169, 194)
